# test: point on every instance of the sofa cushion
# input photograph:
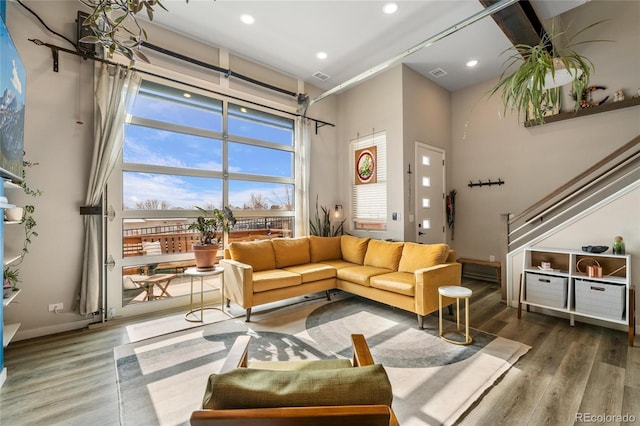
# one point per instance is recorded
(274, 278)
(338, 264)
(353, 248)
(383, 254)
(252, 388)
(417, 256)
(396, 282)
(312, 271)
(258, 254)
(291, 251)
(360, 274)
(324, 248)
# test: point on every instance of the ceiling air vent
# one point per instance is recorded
(438, 72)
(321, 76)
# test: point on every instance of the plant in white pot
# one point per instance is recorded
(211, 225)
(553, 62)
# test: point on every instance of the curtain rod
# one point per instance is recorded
(56, 49)
(227, 72)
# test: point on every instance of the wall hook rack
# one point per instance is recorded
(489, 183)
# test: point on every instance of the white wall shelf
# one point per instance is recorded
(9, 299)
(566, 287)
(10, 330)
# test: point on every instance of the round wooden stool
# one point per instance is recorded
(455, 292)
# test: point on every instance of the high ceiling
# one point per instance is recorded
(355, 35)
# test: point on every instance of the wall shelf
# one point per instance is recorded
(9, 299)
(611, 106)
(10, 330)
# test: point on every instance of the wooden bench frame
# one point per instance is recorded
(496, 265)
(361, 415)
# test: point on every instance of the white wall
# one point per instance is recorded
(426, 119)
(535, 161)
(53, 137)
(56, 101)
(373, 104)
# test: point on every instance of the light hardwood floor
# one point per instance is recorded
(70, 378)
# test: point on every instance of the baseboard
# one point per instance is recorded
(52, 329)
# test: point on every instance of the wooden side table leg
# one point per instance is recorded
(458, 313)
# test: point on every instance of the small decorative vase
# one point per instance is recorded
(618, 245)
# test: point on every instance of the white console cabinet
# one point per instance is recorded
(566, 286)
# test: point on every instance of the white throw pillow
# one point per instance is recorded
(152, 247)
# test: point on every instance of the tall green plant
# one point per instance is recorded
(321, 224)
(523, 90)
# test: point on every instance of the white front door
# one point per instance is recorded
(430, 190)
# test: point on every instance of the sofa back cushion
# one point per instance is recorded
(324, 248)
(353, 248)
(383, 254)
(250, 388)
(291, 251)
(417, 256)
(258, 254)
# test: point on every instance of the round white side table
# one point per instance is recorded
(194, 273)
(455, 292)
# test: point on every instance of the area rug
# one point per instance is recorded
(162, 380)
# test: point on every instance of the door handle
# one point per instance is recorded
(421, 233)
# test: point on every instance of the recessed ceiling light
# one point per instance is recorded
(472, 63)
(243, 109)
(186, 95)
(321, 55)
(247, 19)
(390, 8)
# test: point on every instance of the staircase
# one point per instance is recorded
(612, 174)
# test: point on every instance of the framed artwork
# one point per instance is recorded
(13, 78)
(365, 166)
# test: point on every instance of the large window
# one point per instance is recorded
(182, 150)
(369, 181)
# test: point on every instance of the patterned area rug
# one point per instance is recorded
(162, 380)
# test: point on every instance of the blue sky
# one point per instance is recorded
(151, 146)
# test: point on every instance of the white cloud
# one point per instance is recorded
(15, 79)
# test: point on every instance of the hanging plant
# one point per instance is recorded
(526, 90)
(115, 25)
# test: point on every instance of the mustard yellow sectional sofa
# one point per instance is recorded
(401, 274)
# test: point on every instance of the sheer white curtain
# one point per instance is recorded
(303, 159)
(114, 89)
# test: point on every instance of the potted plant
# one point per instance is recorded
(10, 282)
(543, 66)
(211, 225)
(322, 226)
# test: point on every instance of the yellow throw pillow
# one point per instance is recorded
(291, 251)
(417, 256)
(324, 248)
(353, 248)
(383, 254)
(258, 254)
